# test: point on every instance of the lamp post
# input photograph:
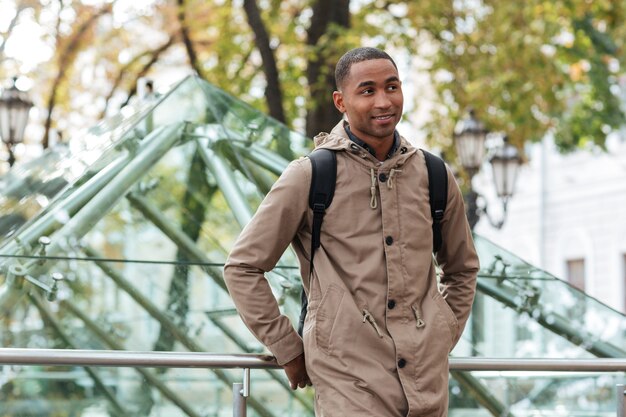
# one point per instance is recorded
(505, 162)
(14, 108)
(469, 138)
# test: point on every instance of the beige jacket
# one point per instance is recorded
(378, 330)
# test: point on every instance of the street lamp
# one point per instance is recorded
(469, 138)
(505, 162)
(14, 108)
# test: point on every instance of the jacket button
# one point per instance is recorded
(401, 363)
(391, 304)
(382, 177)
(389, 240)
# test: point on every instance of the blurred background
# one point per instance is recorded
(138, 137)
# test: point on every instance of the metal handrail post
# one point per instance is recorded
(241, 392)
(239, 401)
(621, 400)
(246, 383)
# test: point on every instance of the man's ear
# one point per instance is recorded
(338, 100)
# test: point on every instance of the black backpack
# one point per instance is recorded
(323, 180)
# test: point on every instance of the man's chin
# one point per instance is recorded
(384, 133)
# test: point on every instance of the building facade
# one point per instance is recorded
(568, 216)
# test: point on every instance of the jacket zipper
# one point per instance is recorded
(367, 316)
(419, 322)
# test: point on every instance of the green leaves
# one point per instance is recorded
(530, 67)
(526, 67)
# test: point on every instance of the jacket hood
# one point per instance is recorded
(338, 140)
(335, 140)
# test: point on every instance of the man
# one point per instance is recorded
(378, 330)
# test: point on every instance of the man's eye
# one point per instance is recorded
(392, 87)
(367, 91)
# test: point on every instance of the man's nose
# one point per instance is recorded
(382, 101)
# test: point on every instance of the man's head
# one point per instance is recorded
(369, 93)
(353, 56)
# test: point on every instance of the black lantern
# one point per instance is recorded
(505, 162)
(14, 108)
(469, 139)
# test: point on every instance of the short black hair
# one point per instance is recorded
(354, 56)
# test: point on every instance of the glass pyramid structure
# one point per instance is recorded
(117, 241)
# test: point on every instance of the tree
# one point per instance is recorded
(527, 68)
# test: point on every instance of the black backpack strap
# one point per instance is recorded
(438, 194)
(323, 179)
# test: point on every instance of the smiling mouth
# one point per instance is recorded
(384, 117)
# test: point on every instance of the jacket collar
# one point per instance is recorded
(339, 140)
(354, 138)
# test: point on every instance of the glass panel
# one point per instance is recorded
(29, 188)
(120, 304)
(79, 391)
(522, 311)
(103, 391)
(139, 222)
(546, 394)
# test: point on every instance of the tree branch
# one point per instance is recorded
(66, 57)
(9, 30)
(273, 92)
(154, 55)
(185, 34)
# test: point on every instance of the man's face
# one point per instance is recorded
(371, 97)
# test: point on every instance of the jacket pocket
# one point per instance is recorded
(326, 317)
(448, 314)
(309, 320)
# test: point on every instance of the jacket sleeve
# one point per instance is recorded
(257, 250)
(457, 256)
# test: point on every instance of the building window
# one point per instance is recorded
(576, 273)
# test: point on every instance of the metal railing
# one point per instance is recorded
(241, 391)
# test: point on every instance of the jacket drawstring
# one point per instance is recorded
(392, 173)
(373, 202)
(367, 316)
(418, 318)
